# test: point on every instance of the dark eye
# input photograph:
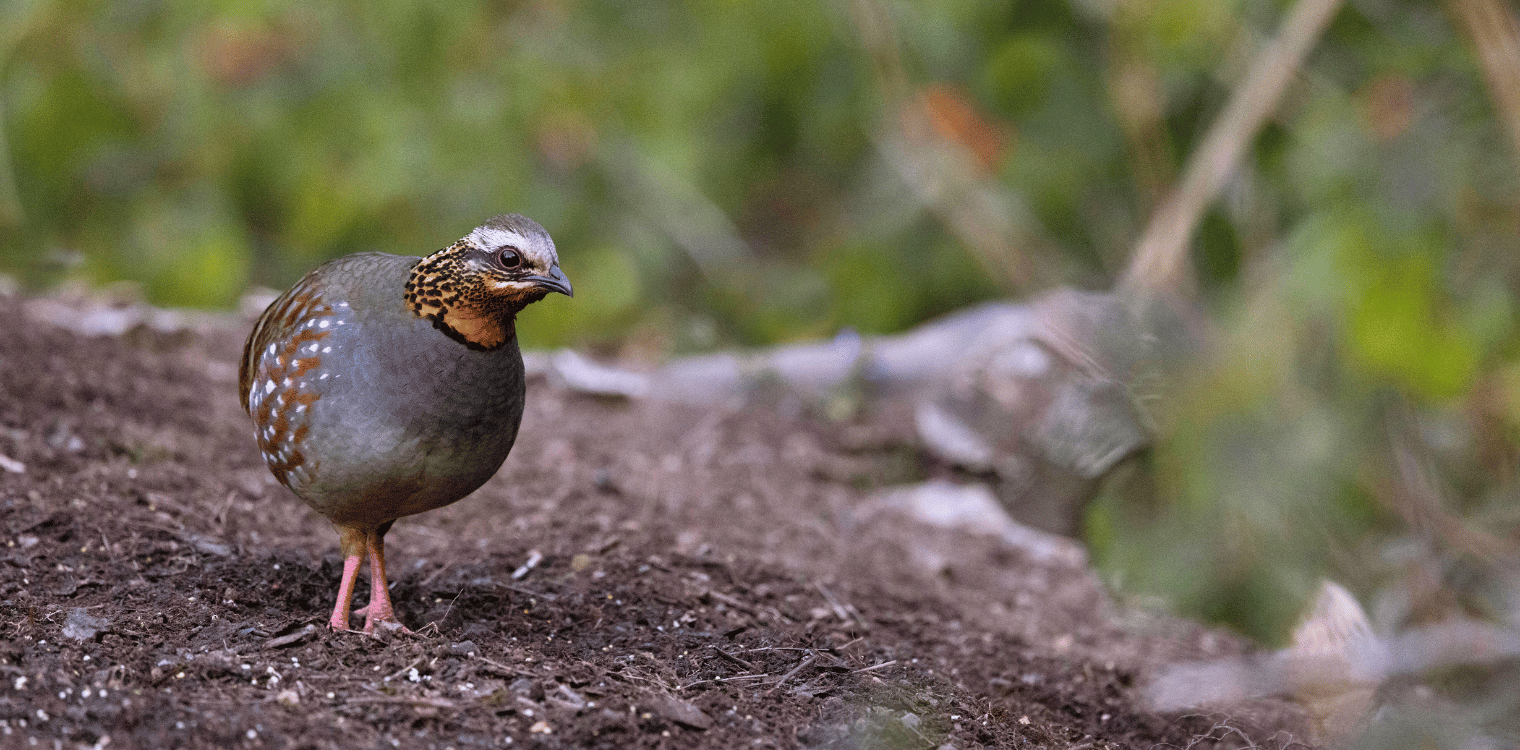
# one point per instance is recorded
(510, 258)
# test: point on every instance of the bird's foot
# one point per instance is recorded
(383, 622)
(386, 628)
(381, 618)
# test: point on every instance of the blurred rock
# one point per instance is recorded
(681, 712)
(1335, 665)
(81, 626)
(115, 311)
(583, 375)
(974, 508)
(1044, 404)
(904, 364)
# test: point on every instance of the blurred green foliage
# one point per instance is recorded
(716, 174)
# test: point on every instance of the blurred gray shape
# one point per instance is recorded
(1044, 403)
(904, 363)
(82, 626)
(1335, 665)
(973, 508)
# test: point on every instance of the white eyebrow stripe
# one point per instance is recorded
(492, 238)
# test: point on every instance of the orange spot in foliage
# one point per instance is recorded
(953, 116)
(1388, 103)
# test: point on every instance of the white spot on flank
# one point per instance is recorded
(323, 376)
(323, 324)
(326, 349)
(268, 386)
(286, 382)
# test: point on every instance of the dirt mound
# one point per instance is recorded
(637, 575)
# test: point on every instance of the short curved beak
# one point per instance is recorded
(555, 281)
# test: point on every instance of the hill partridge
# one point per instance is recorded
(383, 386)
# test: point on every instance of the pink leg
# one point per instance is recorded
(351, 540)
(379, 611)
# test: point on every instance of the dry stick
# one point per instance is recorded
(433, 576)
(434, 624)
(1160, 257)
(1495, 35)
(529, 592)
(732, 602)
(221, 513)
(808, 662)
(506, 668)
(839, 610)
(534, 558)
(286, 640)
(746, 665)
(874, 667)
(443, 703)
(404, 669)
(735, 678)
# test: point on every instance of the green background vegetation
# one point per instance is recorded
(720, 174)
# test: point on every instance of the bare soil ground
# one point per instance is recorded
(704, 579)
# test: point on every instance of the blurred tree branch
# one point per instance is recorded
(1492, 29)
(1159, 263)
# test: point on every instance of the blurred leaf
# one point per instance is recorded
(1395, 328)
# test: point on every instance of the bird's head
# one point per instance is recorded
(473, 289)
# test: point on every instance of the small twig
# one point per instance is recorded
(808, 662)
(528, 592)
(289, 638)
(221, 513)
(405, 700)
(534, 558)
(732, 602)
(839, 610)
(506, 668)
(874, 667)
(604, 545)
(434, 624)
(735, 678)
(747, 666)
(106, 545)
(434, 575)
(404, 669)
